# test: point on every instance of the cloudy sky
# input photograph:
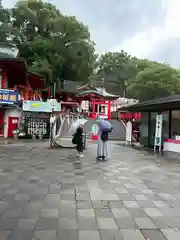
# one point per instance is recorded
(143, 28)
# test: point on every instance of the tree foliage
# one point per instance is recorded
(141, 79)
(154, 82)
(115, 68)
(57, 46)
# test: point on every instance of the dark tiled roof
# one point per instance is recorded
(168, 99)
(155, 103)
(69, 86)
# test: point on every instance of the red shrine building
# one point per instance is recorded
(16, 84)
(95, 101)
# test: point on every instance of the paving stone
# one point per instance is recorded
(132, 234)
(52, 201)
(100, 204)
(153, 234)
(120, 213)
(21, 235)
(84, 204)
(146, 203)
(67, 213)
(67, 223)
(47, 224)
(24, 197)
(68, 235)
(169, 211)
(67, 205)
(144, 223)
(137, 212)
(160, 204)
(174, 222)
(86, 213)
(103, 213)
(125, 197)
(50, 213)
(161, 222)
(131, 204)
(87, 223)
(45, 235)
(153, 212)
(7, 223)
(12, 213)
(4, 235)
(140, 197)
(26, 224)
(106, 223)
(129, 186)
(126, 223)
(111, 235)
(89, 235)
(116, 204)
(121, 190)
(171, 234)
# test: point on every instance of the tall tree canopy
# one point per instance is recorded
(116, 68)
(141, 79)
(158, 80)
(57, 46)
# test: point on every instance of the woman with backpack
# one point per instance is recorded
(104, 128)
(77, 139)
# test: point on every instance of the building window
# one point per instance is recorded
(175, 123)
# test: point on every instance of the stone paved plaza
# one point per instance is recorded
(50, 195)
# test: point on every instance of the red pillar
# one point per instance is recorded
(93, 110)
(3, 80)
(109, 110)
(49, 92)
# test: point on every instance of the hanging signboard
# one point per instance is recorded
(9, 96)
(158, 132)
(40, 106)
(36, 106)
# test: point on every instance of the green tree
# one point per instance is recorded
(116, 68)
(157, 80)
(57, 46)
(7, 31)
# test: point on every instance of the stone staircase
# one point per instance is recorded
(118, 134)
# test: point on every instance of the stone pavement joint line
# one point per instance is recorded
(51, 195)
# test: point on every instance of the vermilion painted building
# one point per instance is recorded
(16, 83)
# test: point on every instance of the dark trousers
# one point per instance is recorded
(80, 147)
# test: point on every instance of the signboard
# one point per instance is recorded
(36, 106)
(128, 133)
(40, 106)
(8, 96)
(158, 132)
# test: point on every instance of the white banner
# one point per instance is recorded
(158, 132)
(129, 132)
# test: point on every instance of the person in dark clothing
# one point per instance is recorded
(78, 140)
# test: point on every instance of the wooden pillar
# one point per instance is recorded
(109, 110)
(93, 110)
(149, 129)
(170, 123)
(3, 80)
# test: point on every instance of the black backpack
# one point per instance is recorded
(104, 136)
(74, 139)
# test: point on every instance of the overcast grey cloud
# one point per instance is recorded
(141, 27)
